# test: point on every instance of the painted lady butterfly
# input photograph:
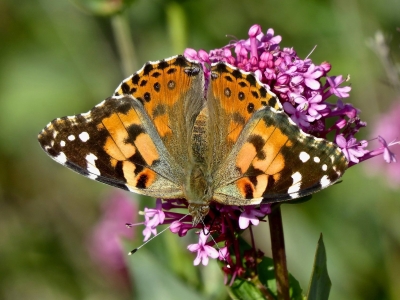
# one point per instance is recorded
(169, 132)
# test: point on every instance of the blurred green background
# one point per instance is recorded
(57, 59)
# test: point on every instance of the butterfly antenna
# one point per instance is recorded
(311, 51)
(204, 227)
(215, 242)
(136, 249)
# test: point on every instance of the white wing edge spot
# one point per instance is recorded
(324, 167)
(325, 181)
(296, 183)
(91, 166)
(316, 159)
(304, 156)
(62, 143)
(61, 158)
(71, 137)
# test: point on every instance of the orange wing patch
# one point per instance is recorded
(239, 95)
(159, 87)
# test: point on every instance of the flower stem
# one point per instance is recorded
(278, 252)
(123, 40)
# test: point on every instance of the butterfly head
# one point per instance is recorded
(198, 212)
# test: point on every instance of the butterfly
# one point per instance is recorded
(169, 131)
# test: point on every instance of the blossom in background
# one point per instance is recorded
(105, 241)
(304, 89)
(388, 127)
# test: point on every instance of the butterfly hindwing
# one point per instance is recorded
(172, 94)
(274, 160)
(114, 143)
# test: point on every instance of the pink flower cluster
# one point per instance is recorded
(303, 88)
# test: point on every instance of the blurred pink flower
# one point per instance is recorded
(105, 241)
(388, 126)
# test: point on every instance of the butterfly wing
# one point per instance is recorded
(114, 143)
(233, 97)
(172, 94)
(274, 160)
(264, 156)
(138, 139)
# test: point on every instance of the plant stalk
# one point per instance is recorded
(278, 252)
(123, 40)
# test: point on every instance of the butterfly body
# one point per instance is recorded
(169, 132)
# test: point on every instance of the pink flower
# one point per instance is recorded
(203, 250)
(250, 215)
(388, 127)
(105, 242)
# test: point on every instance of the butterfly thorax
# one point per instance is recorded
(198, 192)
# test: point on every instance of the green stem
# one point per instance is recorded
(177, 26)
(267, 294)
(123, 40)
(278, 252)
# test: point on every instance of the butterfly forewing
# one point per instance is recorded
(172, 93)
(114, 143)
(233, 97)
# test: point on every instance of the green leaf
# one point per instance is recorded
(252, 289)
(151, 280)
(242, 289)
(320, 283)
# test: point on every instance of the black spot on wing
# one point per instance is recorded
(133, 132)
(162, 64)
(237, 73)
(272, 102)
(251, 79)
(248, 190)
(125, 88)
(220, 68)
(181, 61)
(228, 78)
(135, 79)
(255, 94)
(148, 67)
(171, 71)
(141, 182)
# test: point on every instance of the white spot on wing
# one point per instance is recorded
(62, 143)
(84, 136)
(295, 187)
(91, 166)
(304, 156)
(316, 159)
(325, 181)
(61, 158)
(71, 137)
(324, 167)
